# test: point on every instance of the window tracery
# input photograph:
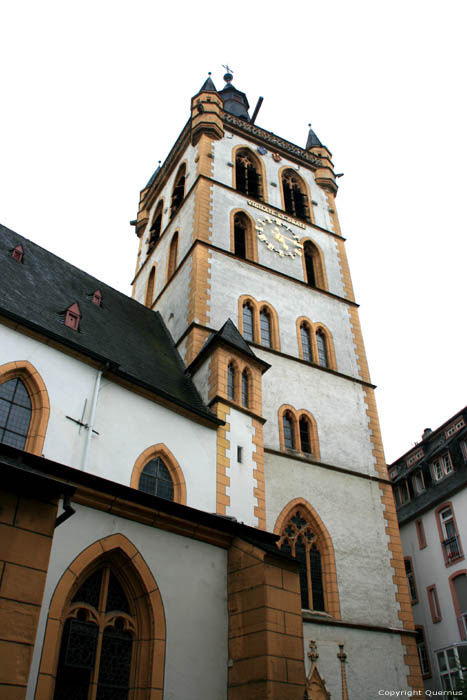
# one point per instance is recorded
(178, 192)
(295, 197)
(247, 174)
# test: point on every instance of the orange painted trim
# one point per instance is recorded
(254, 305)
(325, 546)
(149, 660)
(222, 461)
(182, 171)
(319, 268)
(176, 473)
(305, 187)
(261, 170)
(313, 328)
(40, 404)
(250, 235)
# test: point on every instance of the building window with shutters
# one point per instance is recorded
(409, 572)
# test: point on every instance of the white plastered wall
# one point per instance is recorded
(196, 615)
(126, 422)
(368, 670)
(351, 511)
(242, 483)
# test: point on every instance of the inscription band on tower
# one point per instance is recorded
(275, 213)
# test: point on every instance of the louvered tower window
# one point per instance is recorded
(15, 413)
(156, 480)
(240, 233)
(247, 178)
(96, 648)
(295, 199)
(178, 192)
(173, 253)
(310, 258)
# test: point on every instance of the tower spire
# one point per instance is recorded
(312, 139)
(235, 102)
(208, 85)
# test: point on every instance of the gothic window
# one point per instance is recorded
(300, 538)
(156, 480)
(96, 648)
(305, 434)
(173, 252)
(231, 382)
(245, 388)
(322, 350)
(240, 236)
(178, 191)
(288, 426)
(15, 413)
(312, 263)
(306, 341)
(150, 287)
(156, 227)
(265, 327)
(247, 174)
(295, 198)
(247, 319)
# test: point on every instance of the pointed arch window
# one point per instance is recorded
(150, 287)
(305, 434)
(240, 236)
(300, 539)
(97, 640)
(245, 388)
(231, 381)
(173, 253)
(156, 227)
(265, 327)
(247, 174)
(306, 341)
(288, 426)
(323, 360)
(247, 314)
(156, 480)
(295, 198)
(15, 413)
(178, 193)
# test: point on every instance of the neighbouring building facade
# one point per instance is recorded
(429, 485)
(196, 476)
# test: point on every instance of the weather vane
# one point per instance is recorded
(229, 70)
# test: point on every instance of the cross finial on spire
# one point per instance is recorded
(228, 77)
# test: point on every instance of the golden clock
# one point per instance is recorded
(278, 237)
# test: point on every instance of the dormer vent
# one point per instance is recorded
(97, 298)
(73, 317)
(17, 253)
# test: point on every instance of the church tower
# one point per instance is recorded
(241, 251)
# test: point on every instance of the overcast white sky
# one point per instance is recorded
(95, 93)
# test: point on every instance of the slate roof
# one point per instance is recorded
(230, 335)
(312, 140)
(134, 340)
(208, 86)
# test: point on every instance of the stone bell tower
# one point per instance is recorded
(242, 253)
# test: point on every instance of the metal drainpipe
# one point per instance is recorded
(90, 425)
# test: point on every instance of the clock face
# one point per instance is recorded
(278, 237)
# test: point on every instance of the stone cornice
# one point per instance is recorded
(269, 137)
